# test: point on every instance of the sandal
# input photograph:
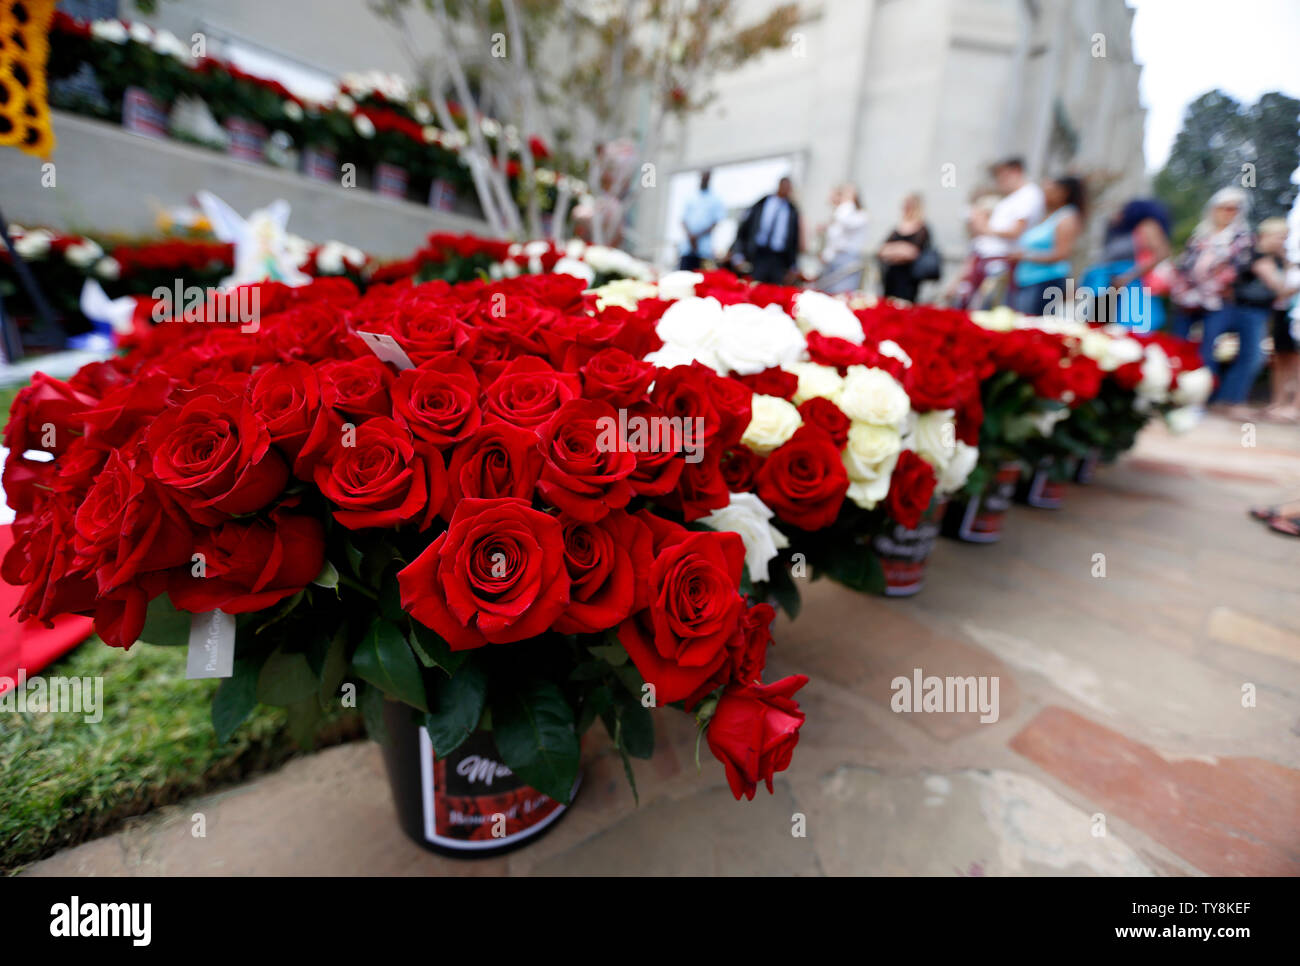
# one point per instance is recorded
(1263, 513)
(1288, 526)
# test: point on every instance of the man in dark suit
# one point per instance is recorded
(769, 237)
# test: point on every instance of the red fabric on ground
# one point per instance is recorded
(30, 644)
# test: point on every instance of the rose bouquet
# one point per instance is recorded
(411, 498)
(836, 453)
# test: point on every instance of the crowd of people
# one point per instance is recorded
(1024, 241)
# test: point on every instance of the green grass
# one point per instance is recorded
(63, 780)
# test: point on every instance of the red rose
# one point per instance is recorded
(128, 524)
(438, 402)
(425, 322)
(772, 382)
(251, 565)
(528, 392)
(804, 481)
(46, 416)
(286, 396)
(216, 455)
(722, 406)
(605, 561)
(496, 575)
(311, 332)
(357, 387)
(746, 655)
(833, 351)
(754, 731)
(701, 489)
(659, 459)
(379, 477)
(616, 377)
(693, 621)
(824, 414)
(739, 466)
(497, 460)
(910, 489)
(586, 462)
(934, 382)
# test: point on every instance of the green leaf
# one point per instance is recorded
(433, 651)
(856, 567)
(631, 776)
(328, 577)
(534, 731)
(334, 669)
(286, 678)
(304, 717)
(599, 700)
(615, 655)
(235, 699)
(783, 588)
(384, 659)
(165, 625)
(354, 555)
(457, 706)
(371, 702)
(390, 597)
(638, 729)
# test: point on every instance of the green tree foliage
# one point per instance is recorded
(1224, 142)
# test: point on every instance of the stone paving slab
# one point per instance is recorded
(1121, 745)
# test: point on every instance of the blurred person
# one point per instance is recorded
(1137, 240)
(901, 255)
(845, 242)
(1285, 378)
(769, 238)
(966, 289)
(1021, 207)
(1283, 518)
(1042, 254)
(703, 212)
(1260, 281)
(1206, 269)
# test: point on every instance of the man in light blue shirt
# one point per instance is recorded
(702, 214)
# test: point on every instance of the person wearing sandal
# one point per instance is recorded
(1284, 518)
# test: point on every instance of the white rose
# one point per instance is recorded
(108, 268)
(751, 339)
(959, 468)
(816, 381)
(772, 422)
(422, 113)
(293, 110)
(679, 355)
(869, 457)
(34, 244)
(1045, 422)
(83, 253)
(141, 33)
(167, 43)
(622, 292)
(1183, 419)
(113, 31)
(819, 312)
(1156, 375)
(679, 285)
(1001, 319)
(1194, 387)
(364, 126)
(893, 350)
(874, 396)
(345, 104)
(571, 266)
(934, 438)
(692, 324)
(574, 247)
(750, 517)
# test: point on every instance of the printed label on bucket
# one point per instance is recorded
(473, 801)
(142, 113)
(1045, 493)
(903, 552)
(982, 521)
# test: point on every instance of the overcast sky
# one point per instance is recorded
(1187, 47)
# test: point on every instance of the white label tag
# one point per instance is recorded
(212, 646)
(387, 349)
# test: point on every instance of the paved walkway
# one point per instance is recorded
(1121, 747)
